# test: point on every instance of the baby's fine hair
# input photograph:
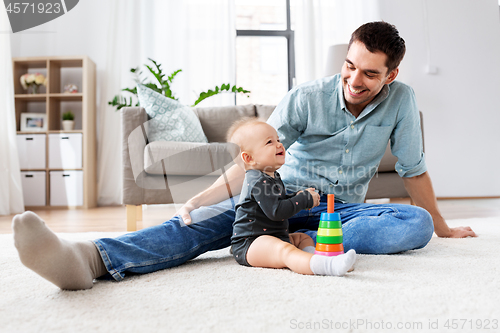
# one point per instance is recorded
(235, 129)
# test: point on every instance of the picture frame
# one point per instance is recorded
(33, 122)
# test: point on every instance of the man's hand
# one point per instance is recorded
(421, 191)
(442, 229)
(459, 232)
(184, 211)
(315, 196)
(216, 193)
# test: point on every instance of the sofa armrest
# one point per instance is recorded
(133, 119)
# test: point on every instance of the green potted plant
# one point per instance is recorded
(162, 86)
(68, 122)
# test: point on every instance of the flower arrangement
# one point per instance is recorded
(35, 80)
(71, 88)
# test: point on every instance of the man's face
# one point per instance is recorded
(364, 74)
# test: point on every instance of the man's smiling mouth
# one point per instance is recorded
(355, 91)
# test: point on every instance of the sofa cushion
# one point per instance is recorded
(188, 158)
(215, 121)
(264, 111)
(171, 120)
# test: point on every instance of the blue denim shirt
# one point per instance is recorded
(333, 151)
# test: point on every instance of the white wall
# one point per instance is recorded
(460, 103)
(81, 31)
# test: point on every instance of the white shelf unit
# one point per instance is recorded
(52, 153)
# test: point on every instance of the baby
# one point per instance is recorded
(260, 232)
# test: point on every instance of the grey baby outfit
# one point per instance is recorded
(264, 209)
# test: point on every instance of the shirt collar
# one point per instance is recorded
(340, 94)
(370, 107)
(276, 174)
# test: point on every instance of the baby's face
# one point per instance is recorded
(267, 152)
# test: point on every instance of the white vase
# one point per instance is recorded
(68, 125)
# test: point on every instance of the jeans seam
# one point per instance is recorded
(107, 261)
(163, 260)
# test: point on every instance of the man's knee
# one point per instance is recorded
(426, 222)
(424, 226)
(220, 211)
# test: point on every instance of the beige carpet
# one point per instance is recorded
(417, 291)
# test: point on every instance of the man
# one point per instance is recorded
(335, 131)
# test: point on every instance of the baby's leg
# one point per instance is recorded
(301, 240)
(272, 252)
(68, 265)
(305, 243)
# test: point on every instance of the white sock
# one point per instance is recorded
(68, 265)
(337, 265)
(309, 249)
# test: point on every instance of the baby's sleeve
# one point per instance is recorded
(275, 206)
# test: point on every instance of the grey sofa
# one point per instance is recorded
(172, 172)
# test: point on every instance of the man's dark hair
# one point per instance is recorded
(384, 37)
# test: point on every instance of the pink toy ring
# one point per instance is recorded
(328, 254)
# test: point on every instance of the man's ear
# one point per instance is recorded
(392, 76)
(247, 158)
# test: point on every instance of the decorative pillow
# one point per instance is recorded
(171, 120)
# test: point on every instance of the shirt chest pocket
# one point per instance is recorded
(371, 144)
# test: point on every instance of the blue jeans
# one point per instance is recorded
(367, 228)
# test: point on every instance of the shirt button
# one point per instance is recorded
(352, 121)
(340, 171)
(347, 150)
(352, 126)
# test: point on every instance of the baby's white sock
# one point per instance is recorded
(309, 249)
(68, 265)
(337, 265)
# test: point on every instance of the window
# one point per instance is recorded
(265, 62)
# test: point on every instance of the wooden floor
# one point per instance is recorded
(114, 218)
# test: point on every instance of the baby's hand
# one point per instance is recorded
(315, 196)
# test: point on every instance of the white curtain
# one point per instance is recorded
(201, 42)
(122, 50)
(321, 23)
(11, 195)
(196, 36)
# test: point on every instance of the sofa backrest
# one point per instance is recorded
(264, 111)
(215, 121)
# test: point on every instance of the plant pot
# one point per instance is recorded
(68, 125)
